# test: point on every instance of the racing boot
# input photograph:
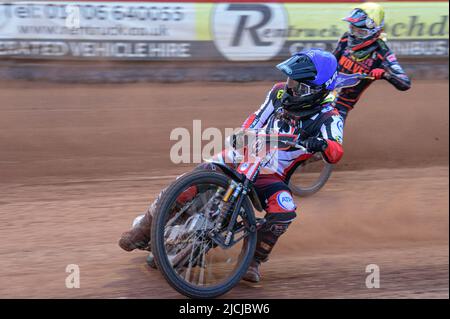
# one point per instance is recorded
(275, 226)
(253, 274)
(139, 235)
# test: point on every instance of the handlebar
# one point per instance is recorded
(364, 76)
(286, 139)
(295, 145)
(349, 80)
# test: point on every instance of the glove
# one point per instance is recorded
(377, 73)
(315, 144)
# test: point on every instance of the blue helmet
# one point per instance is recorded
(311, 76)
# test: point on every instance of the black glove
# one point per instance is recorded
(315, 144)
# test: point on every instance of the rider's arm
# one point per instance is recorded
(394, 73)
(332, 131)
(260, 117)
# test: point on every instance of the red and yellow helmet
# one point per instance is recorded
(366, 23)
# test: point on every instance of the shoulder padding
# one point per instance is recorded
(279, 85)
(277, 90)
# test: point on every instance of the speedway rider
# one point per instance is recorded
(298, 107)
(361, 50)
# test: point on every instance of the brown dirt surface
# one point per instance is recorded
(79, 162)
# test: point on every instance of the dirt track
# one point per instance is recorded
(77, 163)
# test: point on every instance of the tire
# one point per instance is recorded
(157, 238)
(303, 191)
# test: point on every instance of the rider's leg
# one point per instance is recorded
(139, 235)
(280, 208)
(268, 235)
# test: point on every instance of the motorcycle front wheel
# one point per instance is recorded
(189, 259)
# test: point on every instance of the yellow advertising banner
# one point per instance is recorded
(263, 31)
(403, 20)
(322, 21)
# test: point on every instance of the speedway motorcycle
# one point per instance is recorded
(204, 227)
(313, 173)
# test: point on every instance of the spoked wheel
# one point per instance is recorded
(311, 176)
(190, 256)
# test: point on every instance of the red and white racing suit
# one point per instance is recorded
(272, 183)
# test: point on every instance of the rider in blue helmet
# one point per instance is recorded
(298, 107)
(311, 76)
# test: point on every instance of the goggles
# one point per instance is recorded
(361, 33)
(300, 88)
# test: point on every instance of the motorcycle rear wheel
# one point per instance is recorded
(311, 176)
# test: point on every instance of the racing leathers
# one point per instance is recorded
(377, 60)
(272, 183)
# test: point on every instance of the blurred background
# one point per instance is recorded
(114, 41)
(91, 90)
